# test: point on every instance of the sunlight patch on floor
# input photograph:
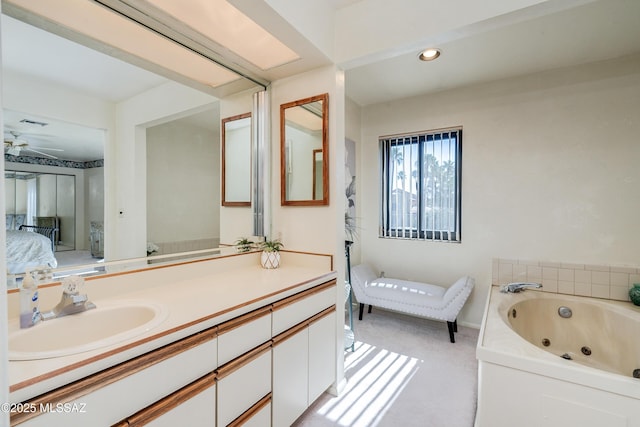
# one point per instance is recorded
(375, 378)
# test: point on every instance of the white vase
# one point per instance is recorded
(270, 259)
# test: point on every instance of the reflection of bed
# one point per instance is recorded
(28, 249)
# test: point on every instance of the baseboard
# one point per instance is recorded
(460, 322)
(337, 388)
(469, 324)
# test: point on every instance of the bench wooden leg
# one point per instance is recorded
(362, 311)
(452, 326)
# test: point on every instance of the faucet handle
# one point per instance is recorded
(79, 299)
(71, 285)
(516, 287)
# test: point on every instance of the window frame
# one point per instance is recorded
(419, 231)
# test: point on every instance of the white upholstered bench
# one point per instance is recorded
(415, 298)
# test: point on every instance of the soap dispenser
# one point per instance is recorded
(29, 310)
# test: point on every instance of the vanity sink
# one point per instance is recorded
(103, 326)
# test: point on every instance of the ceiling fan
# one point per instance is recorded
(16, 145)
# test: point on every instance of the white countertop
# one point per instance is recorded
(197, 297)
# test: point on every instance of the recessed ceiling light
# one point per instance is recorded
(429, 54)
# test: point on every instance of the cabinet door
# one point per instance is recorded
(322, 355)
(290, 377)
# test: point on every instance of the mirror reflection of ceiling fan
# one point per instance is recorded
(16, 144)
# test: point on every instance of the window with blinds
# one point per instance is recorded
(421, 177)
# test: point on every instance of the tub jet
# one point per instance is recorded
(565, 312)
(636, 373)
(567, 356)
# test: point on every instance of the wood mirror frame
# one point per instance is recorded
(240, 144)
(295, 168)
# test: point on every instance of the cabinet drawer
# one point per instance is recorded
(193, 405)
(116, 393)
(239, 335)
(243, 382)
(258, 416)
(299, 307)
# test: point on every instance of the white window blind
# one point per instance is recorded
(421, 177)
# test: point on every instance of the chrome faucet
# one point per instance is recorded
(72, 300)
(516, 287)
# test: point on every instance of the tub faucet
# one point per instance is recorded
(72, 300)
(515, 287)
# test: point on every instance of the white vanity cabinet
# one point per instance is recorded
(112, 395)
(322, 353)
(244, 333)
(244, 377)
(193, 406)
(304, 353)
(290, 376)
(259, 415)
(262, 368)
(242, 383)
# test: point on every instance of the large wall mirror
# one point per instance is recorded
(34, 88)
(304, 156)
(236, 160)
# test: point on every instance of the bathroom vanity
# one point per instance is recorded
(238, 346)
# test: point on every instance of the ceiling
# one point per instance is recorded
(376, 42)
(549, 35)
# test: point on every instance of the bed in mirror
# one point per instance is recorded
(303, 137)
(38, 204)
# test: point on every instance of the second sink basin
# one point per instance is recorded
(105, 325)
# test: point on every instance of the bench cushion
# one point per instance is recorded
(416, 298)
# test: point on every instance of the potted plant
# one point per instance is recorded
(243, 245)
(270, 257)
(151, 248)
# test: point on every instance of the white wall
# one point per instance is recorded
(550, 172)
(301, 160)
(314, 228)
(94, 194)
(192, 156)
(125, 161)
(353, 127)
(305, 227)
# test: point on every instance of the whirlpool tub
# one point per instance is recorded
(557, 360)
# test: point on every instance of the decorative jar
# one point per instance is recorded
(270, 259)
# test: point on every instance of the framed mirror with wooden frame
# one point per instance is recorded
(304, 135)
(236, 160)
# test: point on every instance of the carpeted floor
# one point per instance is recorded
(70, 258)
(403, 372)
